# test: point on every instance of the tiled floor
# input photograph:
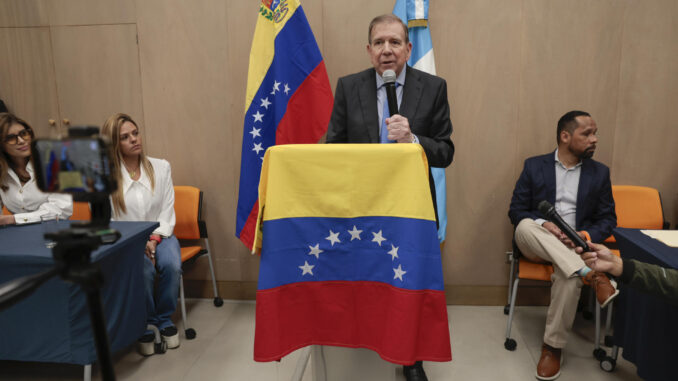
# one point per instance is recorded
(224, 345)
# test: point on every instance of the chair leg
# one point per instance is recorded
(510, 344)
(218, 302)
(190, 332)
(511, 270)
(598, 352)
(87, 372)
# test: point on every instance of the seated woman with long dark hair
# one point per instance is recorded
(19, 192)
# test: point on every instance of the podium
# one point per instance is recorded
(349, 256)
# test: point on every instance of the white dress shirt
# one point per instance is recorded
(567, 188)
(28, 203)
(145, 204)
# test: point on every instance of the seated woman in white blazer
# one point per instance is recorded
(146, 193)
(18, 189)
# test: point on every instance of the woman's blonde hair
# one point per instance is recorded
(7, 120)
(111, 130)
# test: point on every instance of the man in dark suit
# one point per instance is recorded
(360, 113)
(579, 188)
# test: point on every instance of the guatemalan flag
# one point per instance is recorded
(414, 14)
(289, 98)
(349, 253)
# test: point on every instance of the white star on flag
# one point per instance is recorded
(287, 89)
(355, 233)
(308, 269)
(265, 103)
(258, 117)
(333, 237)
(255, 132)
(276, 87)
(393, 253)
(378, 238)
(315, 250)
(257, 147)
(399, 272)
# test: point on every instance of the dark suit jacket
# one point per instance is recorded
(355, 118)
(595, 205)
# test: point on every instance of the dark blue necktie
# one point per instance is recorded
(383, 136)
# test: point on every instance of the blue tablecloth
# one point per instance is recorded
(52, 325)
(645, 325)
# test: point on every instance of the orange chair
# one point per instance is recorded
(190, 226)
(5, 211)
(81, 211)
(521, 268)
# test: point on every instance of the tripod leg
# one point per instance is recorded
(96, 315)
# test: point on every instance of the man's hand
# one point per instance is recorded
(7, 220)
(399, 129)
(150, 250)
(601, 259)
(568, 242)
(551, 227)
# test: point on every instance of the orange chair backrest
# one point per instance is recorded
(5, 211)
(638, 207)
(187, 210)
(81, 211)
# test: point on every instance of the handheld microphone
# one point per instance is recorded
(549, 211)
(389, 78)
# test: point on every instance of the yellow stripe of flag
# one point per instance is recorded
(345, 180)
(269, 24)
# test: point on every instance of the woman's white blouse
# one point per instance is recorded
(28, 203)
(144, 204)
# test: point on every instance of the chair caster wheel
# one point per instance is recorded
(510, 345)
(599, 354)
(507, 309)
(218, 302)
(190, 333)
(607, 364)
(160, 347)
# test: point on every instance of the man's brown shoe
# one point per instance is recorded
(605, 290)
(549, 363)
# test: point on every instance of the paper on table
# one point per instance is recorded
(668, 237)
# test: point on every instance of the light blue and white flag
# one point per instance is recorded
(414, 13)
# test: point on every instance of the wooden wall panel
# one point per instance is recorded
(345, 35)
(90, 12)
(647, 136)
(97, 71)
(512, 68)
(194, 99)
(570, 61)
(27, 83)
(475, 45)
(23, 13)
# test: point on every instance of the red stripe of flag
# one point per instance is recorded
(402, 326)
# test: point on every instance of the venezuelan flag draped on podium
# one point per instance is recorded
(289, 98)
(349, 253)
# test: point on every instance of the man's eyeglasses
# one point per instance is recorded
(24, 134)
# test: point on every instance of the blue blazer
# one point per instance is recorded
(595, 205)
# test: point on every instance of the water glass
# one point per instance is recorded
(50, 224)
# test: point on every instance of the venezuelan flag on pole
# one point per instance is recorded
(349, 255)
(414, 14)
(289, 98)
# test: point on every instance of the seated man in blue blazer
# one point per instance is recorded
(579, 188)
